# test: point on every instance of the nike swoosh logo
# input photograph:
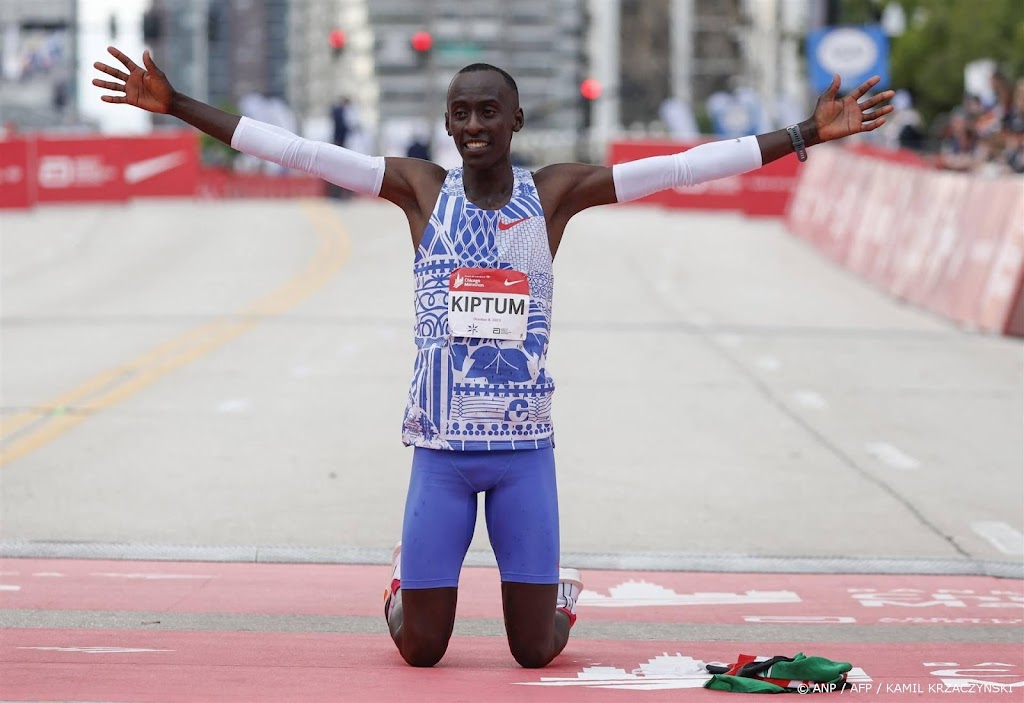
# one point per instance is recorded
(512, 283)
(513, 223)
(147, 168)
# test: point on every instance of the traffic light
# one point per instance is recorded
(337, 39)
(590, 90)
(421, 43)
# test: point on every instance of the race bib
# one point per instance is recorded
(488, 303)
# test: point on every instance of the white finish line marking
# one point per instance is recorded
(643, 593)
(97, 650)
(1001, 536)
(801, 619)
(153, 577)
(9, 587)
(891, 456)
(811, 400)
(659, 673)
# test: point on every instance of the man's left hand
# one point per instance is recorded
(837, 117)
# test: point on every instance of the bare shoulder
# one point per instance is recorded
(568, 188)
(411, 183)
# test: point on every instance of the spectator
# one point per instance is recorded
(419, 148)
(990, 121)
(342, 119)
(959, 150)
(904, 130)
(1013, 130)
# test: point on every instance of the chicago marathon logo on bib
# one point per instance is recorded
(488, 303)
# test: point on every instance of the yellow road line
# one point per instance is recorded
(115, 385)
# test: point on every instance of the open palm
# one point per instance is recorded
(837, 117)
(146, 88)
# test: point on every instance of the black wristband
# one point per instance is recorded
(798, 142)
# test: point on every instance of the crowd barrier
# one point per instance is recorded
(41, 168)
(952, 243)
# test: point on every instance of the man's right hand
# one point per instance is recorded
(146, 88)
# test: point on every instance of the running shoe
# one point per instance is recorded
(396, 581)
(570, 585)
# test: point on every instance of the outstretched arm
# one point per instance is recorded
(570, 188)
(149, 89)
(410, 183)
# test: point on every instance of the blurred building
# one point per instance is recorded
(307, 54)
(37, 64)
(232, 52)
(696, 50)
(539, 42)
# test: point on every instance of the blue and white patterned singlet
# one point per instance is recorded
(481, 394)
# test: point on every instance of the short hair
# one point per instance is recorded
(474, 67)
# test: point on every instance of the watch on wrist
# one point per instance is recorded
(798, 142)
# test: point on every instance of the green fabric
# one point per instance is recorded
(815, 669)
(741, 684)
(810, 669)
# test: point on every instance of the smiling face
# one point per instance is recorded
(483, 113)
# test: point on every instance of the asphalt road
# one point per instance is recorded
(217, 378)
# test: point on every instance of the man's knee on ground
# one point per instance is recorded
(531, 655)
(423, 651)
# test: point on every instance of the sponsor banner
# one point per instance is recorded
(161, 164)
(79, 170)
(855, 53)
(55, 168)
(15, 187)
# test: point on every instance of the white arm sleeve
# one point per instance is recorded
(706, 162)
(344, 167)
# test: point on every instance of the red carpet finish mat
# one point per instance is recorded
(79, 630)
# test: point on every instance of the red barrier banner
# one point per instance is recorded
(847, 188)
(161, 164)
(220, 183)
(15, 185)
(79, 170)
(1001, 307)
(878, 231)
(934, 238)
(983, 222)
(768, 190)
(949, 242)
(811, 204)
